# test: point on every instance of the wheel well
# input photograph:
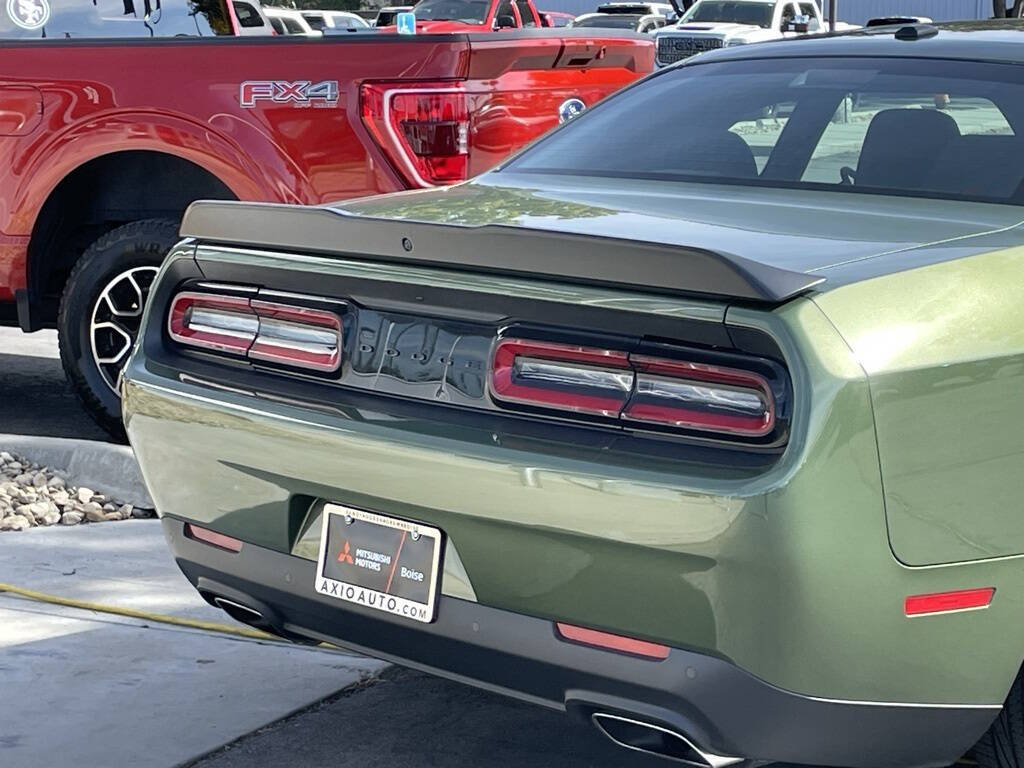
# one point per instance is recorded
(98, 196)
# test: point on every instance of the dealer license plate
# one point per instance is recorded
(379, 562)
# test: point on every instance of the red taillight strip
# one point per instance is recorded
(221, 323)
(207, 536)
(636, 388)
(610, 642)
(949, 602)
(520, 366)
(297, 336)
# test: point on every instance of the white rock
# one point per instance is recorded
(14, 523)
(23, 479)
(110, 516)
(50, 518)
(93, 512)
(85, 494)
(71, 518)
(55, 482)
(125, 511)
(39, 481)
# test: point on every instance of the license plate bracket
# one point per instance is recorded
(381, 562)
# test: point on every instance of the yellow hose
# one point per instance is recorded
(209, 626)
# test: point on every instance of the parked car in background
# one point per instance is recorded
(669, 422)
(664, 10)
(322, 21)
(103, 144)
(288, 21)
(711, 24)
(386, 16)
(250, 19)
(436, 16)
(556, 19)
(637, 22)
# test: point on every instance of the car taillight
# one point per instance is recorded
(560, 376)
(221, 323)
(424, 131)
(639, 389)
(297, 336)
(704, 397)
(286, 334)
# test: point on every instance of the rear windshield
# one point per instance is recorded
(895, 126)
(608, 21)
(469, 11)
(64, 19)
(733, 11)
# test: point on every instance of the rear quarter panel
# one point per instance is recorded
(943, 347)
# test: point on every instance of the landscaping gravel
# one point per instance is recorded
(33, 495)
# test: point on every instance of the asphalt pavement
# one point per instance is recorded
(35, 397)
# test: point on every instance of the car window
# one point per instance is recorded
(64, 19)
(505, 11)
(468, 11)
(278, 24)
(525, 13)
(892, 126)
(293, 26)
(247, 15)
(732, 11)
(844, 136)
(608, 21)
(316, 21)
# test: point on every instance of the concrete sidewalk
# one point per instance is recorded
(92, 689)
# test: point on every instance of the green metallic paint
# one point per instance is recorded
(944, 349)
(788, 573)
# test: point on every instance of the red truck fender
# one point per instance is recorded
(261, 171)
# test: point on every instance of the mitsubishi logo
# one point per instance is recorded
(345, 556)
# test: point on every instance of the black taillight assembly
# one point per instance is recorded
(290, 335)
(639, 390)
(424, 130)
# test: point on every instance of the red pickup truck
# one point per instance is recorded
(104, 142)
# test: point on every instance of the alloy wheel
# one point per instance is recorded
(116, 316)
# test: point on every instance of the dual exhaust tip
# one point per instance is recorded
(652, 739)
(627, 732)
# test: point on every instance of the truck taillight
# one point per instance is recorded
(424, 131)
(637, 389)
(288, 335)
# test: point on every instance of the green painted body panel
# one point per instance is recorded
(943, 346)
(788, 572)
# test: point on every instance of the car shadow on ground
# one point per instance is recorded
(35, 396)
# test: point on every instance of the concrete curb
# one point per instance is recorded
(108, 468)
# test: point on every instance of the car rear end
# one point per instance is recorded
(658, 512)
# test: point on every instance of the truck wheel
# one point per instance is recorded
(1002, 746)
(100, 312)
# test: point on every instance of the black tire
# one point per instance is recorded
(127, 254)
(1002, 746)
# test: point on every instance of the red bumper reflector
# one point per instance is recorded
(212, 537)
(611, 642)
(949, 602)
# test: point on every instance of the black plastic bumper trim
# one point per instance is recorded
(717, 705)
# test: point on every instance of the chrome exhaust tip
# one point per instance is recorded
(657, 740)
(239, 612)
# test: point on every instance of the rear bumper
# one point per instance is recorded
(721, 708)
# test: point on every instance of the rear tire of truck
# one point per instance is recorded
(101, 308)
(1002, 746)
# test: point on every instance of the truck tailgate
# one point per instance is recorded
(519, 82)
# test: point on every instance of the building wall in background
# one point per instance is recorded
(853, 11)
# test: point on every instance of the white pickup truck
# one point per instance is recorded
(711, 24)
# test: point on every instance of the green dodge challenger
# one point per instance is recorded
(702, 419)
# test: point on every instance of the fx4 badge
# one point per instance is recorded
(302, 93)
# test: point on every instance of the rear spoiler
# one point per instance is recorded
(494, 249)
